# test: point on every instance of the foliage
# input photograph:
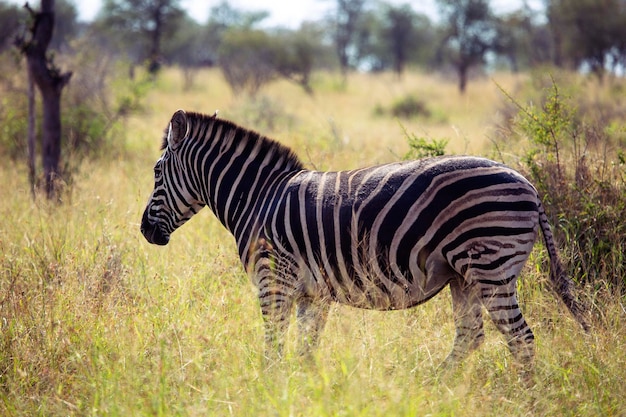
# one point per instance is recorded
(574, 163)
(13, 109)
(224, 16)
(420, 147)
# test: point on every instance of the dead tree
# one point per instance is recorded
(50, 82)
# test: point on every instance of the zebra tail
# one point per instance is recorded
(561, 283)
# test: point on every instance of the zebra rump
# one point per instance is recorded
(384, 237)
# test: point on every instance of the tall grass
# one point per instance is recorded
(94, 321)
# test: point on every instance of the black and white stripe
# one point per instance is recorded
(385, 237)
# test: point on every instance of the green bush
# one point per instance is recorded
(409, 106)
(576, 164)
(13, 125)
(424, 147)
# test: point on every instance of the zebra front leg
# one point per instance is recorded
(275, 300)
(468, 320)
(275, 308)
(311, 317)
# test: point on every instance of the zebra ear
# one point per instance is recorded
(179, 128)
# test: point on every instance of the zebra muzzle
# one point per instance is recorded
(152, 232)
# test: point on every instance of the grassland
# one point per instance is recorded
(94, 321)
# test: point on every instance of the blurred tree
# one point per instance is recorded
(11, 18)
(514, 38)
(13, 21)
(400, 34)
(250, 58)
(390, 36)
(589, 32)
(469, 33)
(223, 17)
(50, 81)
(187, 48)
(300, 52)
(66, 26)
(295, 56)
(142, 24)
(369, 50)
(246, 57)
(346, 23)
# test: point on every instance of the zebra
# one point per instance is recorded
(385, 237)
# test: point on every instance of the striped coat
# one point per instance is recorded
(385, 237)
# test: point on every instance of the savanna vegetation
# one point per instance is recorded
(95, 321)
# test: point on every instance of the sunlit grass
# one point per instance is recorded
(94, 321)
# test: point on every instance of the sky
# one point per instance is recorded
(288, 13)
(285, 13)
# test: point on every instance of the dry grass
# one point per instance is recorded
(94, 321)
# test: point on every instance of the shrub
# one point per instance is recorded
(574, 162)
(409, 106)
(424, 147)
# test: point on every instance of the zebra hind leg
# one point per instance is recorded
(468, 320)
(500, 300)
(311, 317)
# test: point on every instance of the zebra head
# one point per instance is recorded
(173, 200)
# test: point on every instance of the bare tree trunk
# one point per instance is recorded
(50, 82)
(51, 140)
(155, 41)
(462, 69)
(32, 172)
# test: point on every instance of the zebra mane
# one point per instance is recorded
(198, 120)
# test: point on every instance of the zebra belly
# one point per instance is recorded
(375, 291)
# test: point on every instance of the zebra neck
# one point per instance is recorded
(240, 169)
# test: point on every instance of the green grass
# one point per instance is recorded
(94, 321)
